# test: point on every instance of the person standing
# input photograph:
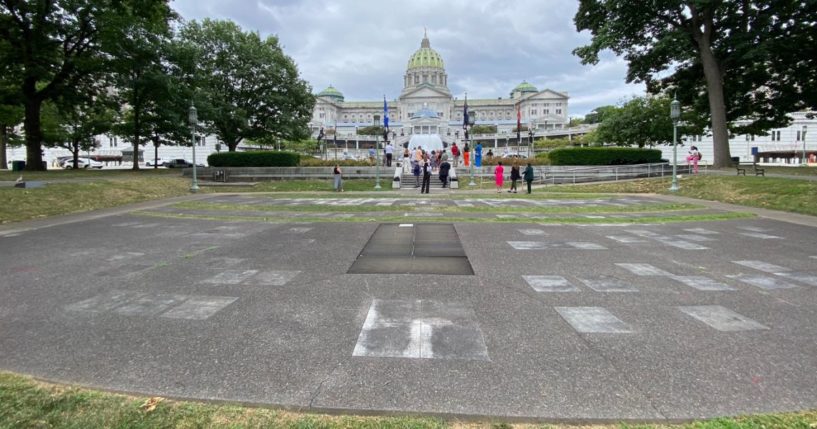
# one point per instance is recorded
(444, 168)
(528, 176)
(389, 154)
(425, 188)
(406, 156)
(694, 157)
(466, 154)
(499, 176)
(415, 170)
(338, 175)
(478, 155)
(455, 153)
(514, 176)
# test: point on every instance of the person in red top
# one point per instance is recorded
(455, 152)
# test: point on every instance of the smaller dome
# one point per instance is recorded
(331, 92)
(424, 113)
(524, 87)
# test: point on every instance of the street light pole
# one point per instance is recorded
(377, 154)
(803, 136)
(193, 117)
(471, 122)
(530, 140)
(675, 114)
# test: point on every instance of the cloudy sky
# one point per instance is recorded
(362, 47)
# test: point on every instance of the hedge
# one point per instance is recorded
(604, 156)
(254, 159)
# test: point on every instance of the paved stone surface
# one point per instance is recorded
(590, 321)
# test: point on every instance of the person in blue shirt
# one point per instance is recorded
(478, 155)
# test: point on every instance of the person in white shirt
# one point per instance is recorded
(389, 154)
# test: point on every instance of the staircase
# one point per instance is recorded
(407, 182)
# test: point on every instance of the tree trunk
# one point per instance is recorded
(155, 155)
(75, 153)
(717, 106)
(136, 136)
(3, 139)
(31, 124)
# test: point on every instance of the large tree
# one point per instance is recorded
(56, 43)
(245, 86)
(729, 61)
(140, 68)
(641, 121)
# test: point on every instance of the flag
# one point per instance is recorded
(385, 113)
(465, 113)
(518, 122)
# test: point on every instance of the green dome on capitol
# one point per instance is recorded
(524, 87)
(331, 92)
(425, 57)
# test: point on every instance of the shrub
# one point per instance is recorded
(604, 156)
(254, 159)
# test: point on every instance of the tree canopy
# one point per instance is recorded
(246, 87)
(729, 61)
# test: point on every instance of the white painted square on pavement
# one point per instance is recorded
(532, 231)
(105, 301)
(754, 229)
(593, 320)
(550, 284)
(625, 239)
(421, 329)
(583, 245)
(702, 283)
(608, 284)
(695, 237)
(231, 277)
(806, 278)
(681, 244)
(722, 318)
(199, 307)
(150, 305)
(763, 282)
(644, 270)
(702, 231)
(762, 266)
(532, 245)
(761, 236)
(299, 229)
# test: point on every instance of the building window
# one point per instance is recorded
(533, 112)
(558, 111)
(798, 135)
(546, 111)
(775, 136)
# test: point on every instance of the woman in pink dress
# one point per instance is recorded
(498, 176)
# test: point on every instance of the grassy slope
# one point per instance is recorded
(27, 403)
(798, 196)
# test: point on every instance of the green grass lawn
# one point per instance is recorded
(26, 403)
(791, 195)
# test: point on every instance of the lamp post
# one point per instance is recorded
(377, 154)
(530, 140)
(471, 121)
(193, 118)
(803, 136)
(675, 114)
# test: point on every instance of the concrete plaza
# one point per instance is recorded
(575, 322)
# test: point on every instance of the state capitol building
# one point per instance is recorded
(427, 114)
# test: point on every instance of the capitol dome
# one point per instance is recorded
(523, 88)
(425, 57)
(425, 67)
(332, 93)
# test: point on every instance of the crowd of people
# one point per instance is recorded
(423, 164)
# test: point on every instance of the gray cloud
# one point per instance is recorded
(362, 46)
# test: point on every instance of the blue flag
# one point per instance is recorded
(385, 113)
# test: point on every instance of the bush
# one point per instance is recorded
(604, 156)
(540, 159)
(254, 159)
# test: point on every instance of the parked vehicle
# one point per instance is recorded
(81, 163)
(160, 162)
(180, 163)
(514, 155)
